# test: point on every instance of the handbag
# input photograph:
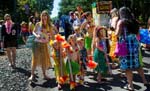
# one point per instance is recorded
(121, 46)
(30, 41)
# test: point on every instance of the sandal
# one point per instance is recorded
(14, 66)
(99, 81)
(127, 87)
(122, 75)
(31, 78)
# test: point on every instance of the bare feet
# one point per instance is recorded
(46, 77)
(59, 87)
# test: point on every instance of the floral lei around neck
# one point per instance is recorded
(47, 27)
(10, 26)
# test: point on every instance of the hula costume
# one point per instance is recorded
(41, 56)
(99, 57)
(88, 42)
(74, 66)
(59, 66)
(113, 46)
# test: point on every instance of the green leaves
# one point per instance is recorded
(33, 6)
(70, 5)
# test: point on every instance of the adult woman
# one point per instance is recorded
(9, 32)
(41, 57)
(113, 37)
(31, 24)
(127, 28)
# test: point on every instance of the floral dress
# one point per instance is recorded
(131, 60)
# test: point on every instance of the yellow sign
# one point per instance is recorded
(104, 7)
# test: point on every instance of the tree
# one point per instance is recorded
(138, 7)
(71, 5)
(25, 8)
(22, 9)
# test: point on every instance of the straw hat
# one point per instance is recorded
(23, 23)
(80, 39)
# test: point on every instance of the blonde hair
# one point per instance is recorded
(70, 37)
(76, 28)
(49, 24)
(23, 23)
(114, 12)
(7, 15)
(79, 39)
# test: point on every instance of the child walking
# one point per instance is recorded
(82, 59)
(72, 60)
(59, 64)
(100, 55)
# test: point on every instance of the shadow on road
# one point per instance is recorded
(21, 70)
(47, 84)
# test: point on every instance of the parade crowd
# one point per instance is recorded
(83, 45)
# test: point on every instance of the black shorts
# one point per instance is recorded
(10, 43)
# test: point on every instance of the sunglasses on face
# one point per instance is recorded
(7, 19)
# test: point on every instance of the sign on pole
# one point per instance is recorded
(104, 7)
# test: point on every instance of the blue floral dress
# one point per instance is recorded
(131, 61)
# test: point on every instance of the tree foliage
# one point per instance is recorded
(70, 5)
(29, 7)
(139, 7)
(22, 9)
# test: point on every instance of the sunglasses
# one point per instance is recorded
(8, 19)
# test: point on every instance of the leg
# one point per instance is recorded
(8, 50)
(129, 76)
(99, 78)
(44, 73)
(33, 67)
(23, 38)
(13, 49)
(141, 73)
(2, 46)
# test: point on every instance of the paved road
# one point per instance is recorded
(16, 80)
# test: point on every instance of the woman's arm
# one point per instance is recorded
(35, 30)
(55, 29)
(118, 28)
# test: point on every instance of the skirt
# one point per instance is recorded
(113, 47)
(99, 57)
(74, 67)
(60, 70)
(40, 55)
(88, 43)
(12, 43)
